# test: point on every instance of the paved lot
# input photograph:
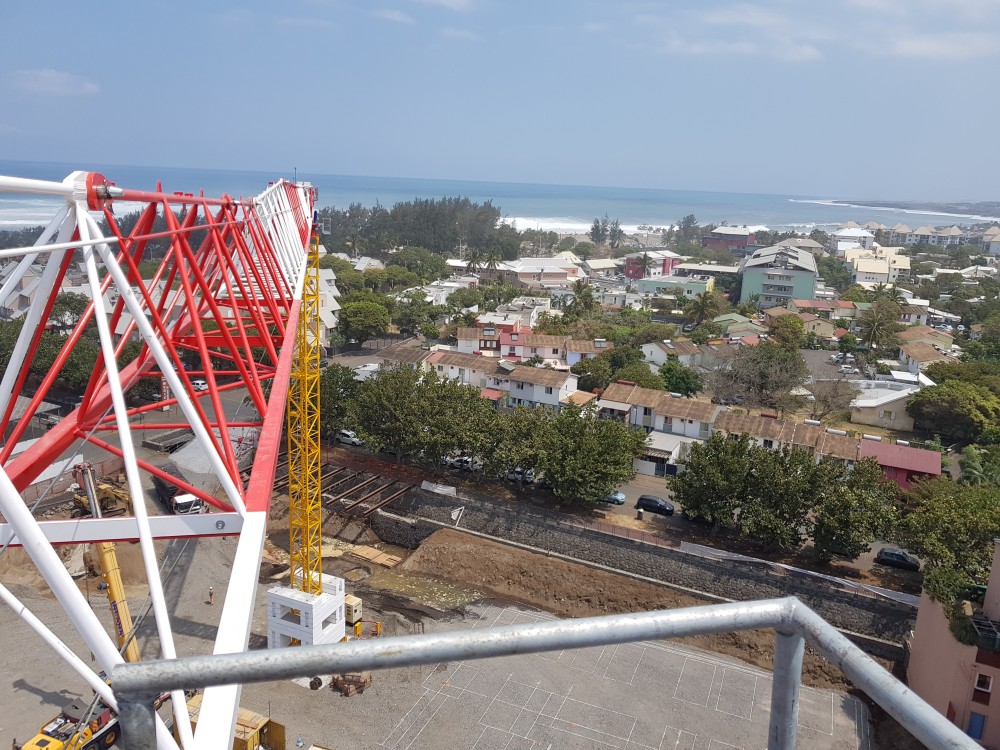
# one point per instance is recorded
(637, 696)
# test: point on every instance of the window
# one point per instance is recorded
(984, 682)
(519, 386)
(513, 337)
(555, 351)
(510, 350)
(886, 414)
(646, 411)
(440, 368)
(548, 390)
(769, 444)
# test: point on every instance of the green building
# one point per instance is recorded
(777, 275)
(680, 286)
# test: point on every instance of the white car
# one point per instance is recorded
(848, 370)
(518, 475)
(199, 385)
(349, 437)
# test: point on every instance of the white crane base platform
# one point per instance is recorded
(309, 618)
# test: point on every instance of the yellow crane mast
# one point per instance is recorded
(305, 510)
(99, 498)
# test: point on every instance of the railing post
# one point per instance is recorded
(137, 719)
(788, 650)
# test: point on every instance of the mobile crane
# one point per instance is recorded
(83, 726)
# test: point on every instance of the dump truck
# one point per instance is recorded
(170, 495)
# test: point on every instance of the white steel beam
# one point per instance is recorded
(125, 529)
(219, 706)
(88, 228)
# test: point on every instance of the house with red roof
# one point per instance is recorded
(902, 463)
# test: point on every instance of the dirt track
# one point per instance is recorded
(571, 590)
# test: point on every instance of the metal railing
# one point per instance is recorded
(137, 685)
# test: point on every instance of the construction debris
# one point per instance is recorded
(351, 683)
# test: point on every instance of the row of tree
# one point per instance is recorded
(424, 419)
(440, 225)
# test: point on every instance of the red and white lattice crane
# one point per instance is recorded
(228, 295)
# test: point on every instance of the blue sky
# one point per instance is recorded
(839, 98)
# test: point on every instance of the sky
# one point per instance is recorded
(855, 99)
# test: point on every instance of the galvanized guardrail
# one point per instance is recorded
(137, 685)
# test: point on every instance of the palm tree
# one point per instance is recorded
(880, 324)
(644, 263)
(583, 297)
(492, 260)
(473, 261)
(702, 307)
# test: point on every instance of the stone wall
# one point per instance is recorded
(856, 611)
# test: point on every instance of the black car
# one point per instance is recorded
(896, 558)
(654, 504)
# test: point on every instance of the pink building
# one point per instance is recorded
(657, 263)
(955, 678)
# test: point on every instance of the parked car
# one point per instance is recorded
(896, 558)
(615, 498)
(199, 385)
(849, 370)
(520, 475)
(349, 437)
(468, 463)
(654, 504)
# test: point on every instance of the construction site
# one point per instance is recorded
(212, 521)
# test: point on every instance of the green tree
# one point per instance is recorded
(788, 331)
(862, 509)
(647, 333)
(951, 526)
(848, 343)
(68, 307)
(474, 261)
(971, 466)
(587, 457)
(880, 325)
(789, 483)
(463, 299)
(594, 373)
(520, 439)
(640, 374)
(718, 479)
(582, 250)
(703, 306)
(421, 261)
(955, 409)
(616, 235)
(763, 375)
(680, 379)
(337, 389)
(360, 321)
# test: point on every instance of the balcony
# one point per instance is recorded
(135, 685)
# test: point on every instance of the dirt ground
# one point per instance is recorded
(569, 590)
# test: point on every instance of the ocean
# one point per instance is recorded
(560, 208)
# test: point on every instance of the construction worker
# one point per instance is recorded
(211, 595)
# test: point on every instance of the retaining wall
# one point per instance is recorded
(858, 611)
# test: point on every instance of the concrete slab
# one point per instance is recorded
(637, 697)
